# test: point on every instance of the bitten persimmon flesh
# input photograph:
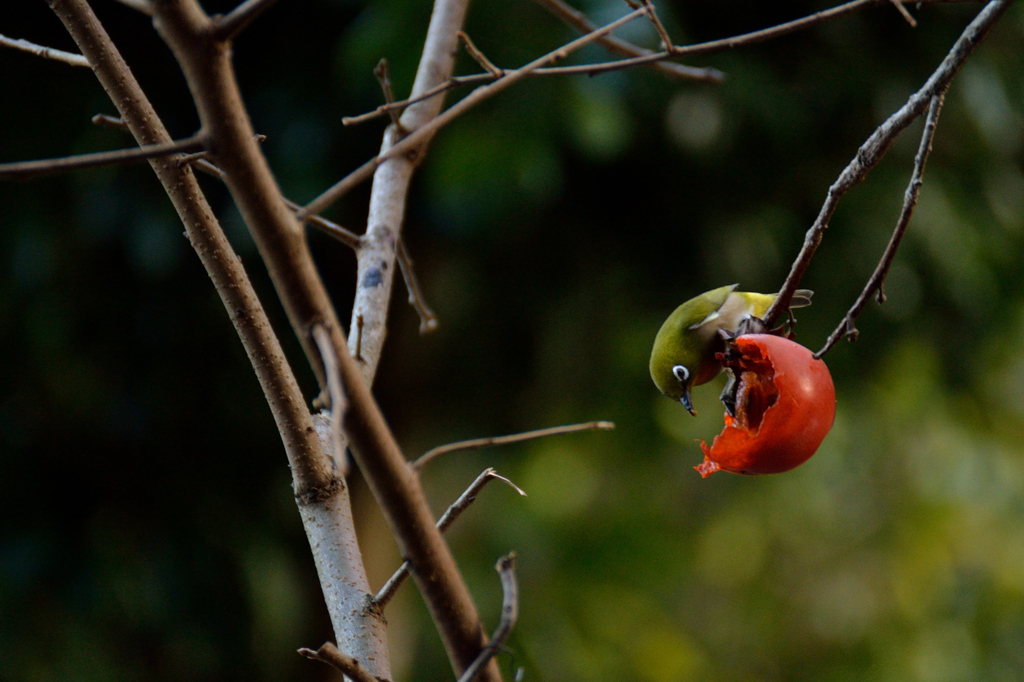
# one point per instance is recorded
(785, 406)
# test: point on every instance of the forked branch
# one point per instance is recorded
(423, 134)
(387, 592)
(874, 148)
(636, 56)
(281, 241)
(579, 21)
(346, 665)
(846, 328)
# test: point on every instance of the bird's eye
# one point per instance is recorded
(681, 373)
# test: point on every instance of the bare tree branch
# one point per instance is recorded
(422, 134)
(479, 57)
(874, 148)
(144, 6)
(579, 21)
(387, 592)
(348, 666)
(380, 245)
(281, 241)
(636, 57)
(659, 28)
(729, 43)
(846, 327)
(381, 72)
(239, 18)
(44, 52)
(214, 250)
(478, 443)
(906, 14)
(29, 169)
(506, 568)
(322, 495)
(428, 320)
(451, 83)
(279, 237)
(346, 237)
(105, 121)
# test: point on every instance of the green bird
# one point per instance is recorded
(684, 350)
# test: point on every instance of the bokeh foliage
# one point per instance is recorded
(148, 530)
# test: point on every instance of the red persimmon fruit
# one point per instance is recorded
(785, 406)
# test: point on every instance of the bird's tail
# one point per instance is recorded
(801, 298)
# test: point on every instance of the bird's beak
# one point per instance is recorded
(685, 400)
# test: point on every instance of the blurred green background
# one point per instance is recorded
(147, 528)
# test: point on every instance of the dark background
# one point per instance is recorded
(147, 528)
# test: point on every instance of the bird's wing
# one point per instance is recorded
(707, 305)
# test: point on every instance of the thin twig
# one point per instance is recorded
(387, 592)
(636, 56)
(106, 121)
(144, 6)
(479, 57)
(342, 187)
(346, 237)
(27, 169)
(337, 392)
(236, 21)
(579, 21)
(506, 568)
(44, 52)
(906, 14)
(478, 443)
(444, 87)
(846, 328)
(426, 131)
(381, 73)
(209, 168)
(728, 43)
(663, 36)
(346, 665)
(874, 148)
(428, 319)
(189, 159)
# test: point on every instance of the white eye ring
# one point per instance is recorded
(681, 373)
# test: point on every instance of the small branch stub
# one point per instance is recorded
(107, 121)
(846, 328)
(348, 666)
